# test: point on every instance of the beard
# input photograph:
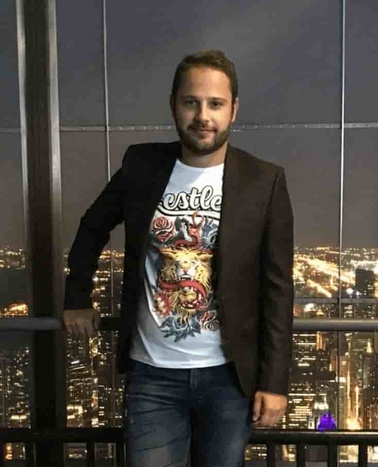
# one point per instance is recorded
(201, 147)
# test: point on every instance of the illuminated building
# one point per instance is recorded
(365, 283)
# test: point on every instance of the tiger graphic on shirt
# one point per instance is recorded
(183, 294)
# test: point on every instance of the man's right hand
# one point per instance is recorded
(81, 323)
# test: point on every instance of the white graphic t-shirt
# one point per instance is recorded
(178, 323)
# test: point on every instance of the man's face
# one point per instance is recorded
(203, 110)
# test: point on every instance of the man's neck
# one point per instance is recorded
(195, 160)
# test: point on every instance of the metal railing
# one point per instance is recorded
(270, 438)
(89, 436)
(302, 439)
(112, 324)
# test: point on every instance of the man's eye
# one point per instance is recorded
(190, 102)
(216, 104)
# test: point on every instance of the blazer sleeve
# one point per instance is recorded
(277, 293)
(93, 234)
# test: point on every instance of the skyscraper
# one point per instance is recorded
(365, 282)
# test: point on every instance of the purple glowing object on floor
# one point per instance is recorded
(326, 422)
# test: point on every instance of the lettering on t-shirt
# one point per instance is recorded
(202, 201)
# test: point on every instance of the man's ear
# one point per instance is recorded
(235, 110)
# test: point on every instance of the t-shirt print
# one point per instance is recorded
(184, 233)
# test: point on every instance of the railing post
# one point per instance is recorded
(30, 454)
(271, 458)
(91, 454)
(2, 454)
(332, 455)
(301, 455)
(362, 455)
(120, 454)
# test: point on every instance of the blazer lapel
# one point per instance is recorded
(157, 180)
(229, 210)
(241, 214)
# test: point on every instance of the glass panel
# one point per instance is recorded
(94, 389)
(13, 276)
(313, 383)
(9, 96)
(316, 310)
(80, 62)
(287, 55)
(15, 377)
(361, 65)
(312, 163)
(83, 176)
(82, 182)
(360, 233)
(359, 370)
(15, 387)
(76, 455)
(360, 265)
(254, 453)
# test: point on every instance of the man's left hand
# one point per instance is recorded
(268, 409)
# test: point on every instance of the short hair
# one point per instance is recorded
(215, 59)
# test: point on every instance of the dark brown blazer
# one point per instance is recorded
(253, 262)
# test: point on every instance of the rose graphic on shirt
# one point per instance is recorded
(163, 228)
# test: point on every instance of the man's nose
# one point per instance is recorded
(203, 112)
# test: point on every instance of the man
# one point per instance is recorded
(207, 299)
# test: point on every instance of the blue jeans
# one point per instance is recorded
(174, 414)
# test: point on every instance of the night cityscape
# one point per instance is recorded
(78, 89)
(333, 375)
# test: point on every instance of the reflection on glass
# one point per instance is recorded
(359, 270)
(316, 272)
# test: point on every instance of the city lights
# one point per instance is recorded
(333, 375)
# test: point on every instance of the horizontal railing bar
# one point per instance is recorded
(335, 300)
(338, 437)
(67, 435)
(258, 436)
(335, 324)
(30, 324)
(112, 324)
(48, 324)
